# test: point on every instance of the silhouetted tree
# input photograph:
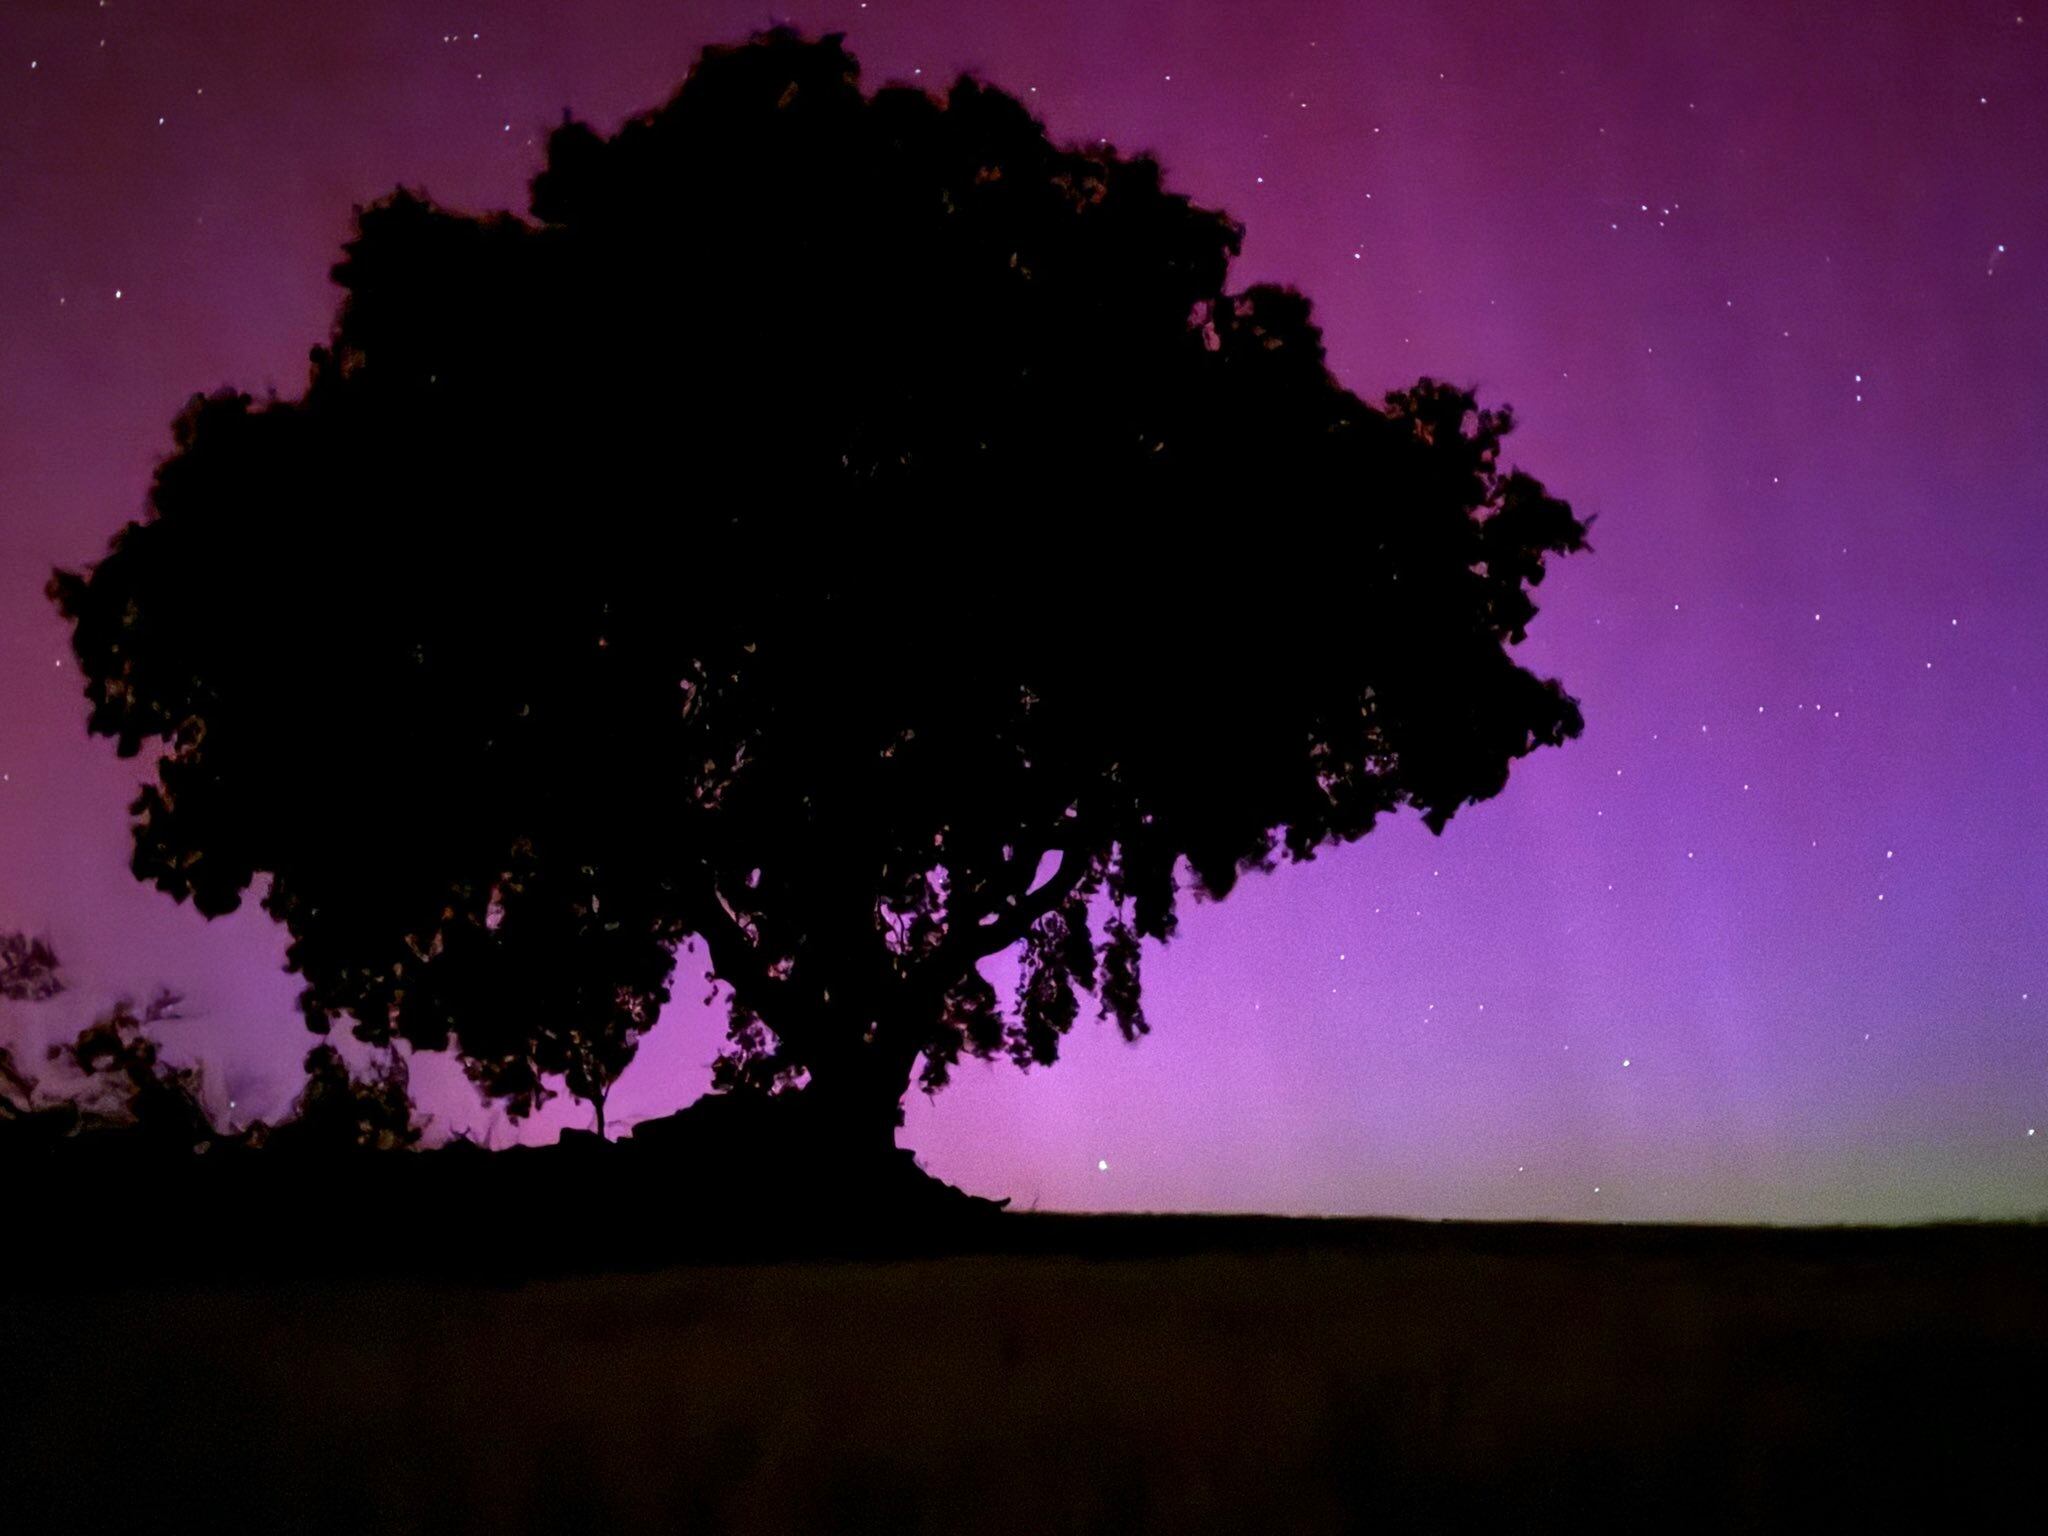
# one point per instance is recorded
(847, 530)
(339, 1112)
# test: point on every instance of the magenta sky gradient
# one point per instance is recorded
(1769, 289)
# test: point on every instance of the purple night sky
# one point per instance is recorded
(1768, 286)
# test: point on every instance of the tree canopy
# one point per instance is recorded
(846, 530)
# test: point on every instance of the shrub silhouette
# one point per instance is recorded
(848, 531)
(338, 1112)
(157, 1104)
(121, 1092)
(29, 972)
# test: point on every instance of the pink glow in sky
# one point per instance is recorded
(1769, 290)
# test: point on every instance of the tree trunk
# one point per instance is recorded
(854, 1102)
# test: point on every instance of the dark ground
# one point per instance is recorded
(1034, 1373)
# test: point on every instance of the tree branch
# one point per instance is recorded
(979, 940)
(902, 1033)
(734, 959)
(1011, 879)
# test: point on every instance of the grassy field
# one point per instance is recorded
(1075, 1374)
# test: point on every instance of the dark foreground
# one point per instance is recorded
(1049, 1374)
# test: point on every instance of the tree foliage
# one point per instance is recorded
(847, 530)
(138, 1087)
(29, 972)
(337, 1111)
